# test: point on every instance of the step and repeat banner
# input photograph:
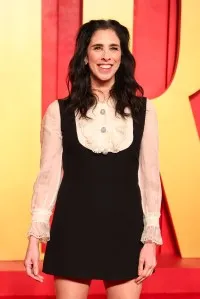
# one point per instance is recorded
(37, 42)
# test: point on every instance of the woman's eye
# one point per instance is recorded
(97, 48)
(114, 48)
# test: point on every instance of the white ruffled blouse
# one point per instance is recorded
(104, 133)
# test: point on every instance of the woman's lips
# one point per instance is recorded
(105, 68)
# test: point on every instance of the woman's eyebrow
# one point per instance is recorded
(95, 45)
(115, 45)
(101, 45)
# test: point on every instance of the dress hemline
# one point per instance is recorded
(90, 277)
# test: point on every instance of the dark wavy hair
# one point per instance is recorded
(126, 92)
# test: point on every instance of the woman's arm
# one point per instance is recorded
(149, 178)
(48, 180)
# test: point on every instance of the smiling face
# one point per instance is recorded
(104, 56)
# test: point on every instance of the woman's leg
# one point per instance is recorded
(127, 289)
(71, 289)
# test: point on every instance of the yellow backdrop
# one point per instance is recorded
(20, 60)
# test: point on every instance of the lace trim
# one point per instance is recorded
(152, 233)
(40, 230)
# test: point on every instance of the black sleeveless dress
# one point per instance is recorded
(98, 217)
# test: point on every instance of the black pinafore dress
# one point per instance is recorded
(98, 217)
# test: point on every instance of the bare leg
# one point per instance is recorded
(71, 289)
(126, 289)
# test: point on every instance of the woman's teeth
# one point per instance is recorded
(105, 66)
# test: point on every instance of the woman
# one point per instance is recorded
(104, 137)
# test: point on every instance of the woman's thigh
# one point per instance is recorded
(71, 288)
(126, 289)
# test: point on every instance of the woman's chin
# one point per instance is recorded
(105, 78)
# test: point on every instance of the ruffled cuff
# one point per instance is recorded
(151, 230)
(153, 234)
(40, 230)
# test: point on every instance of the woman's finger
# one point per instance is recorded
(33, 271)
(29, 271)
(36, 271)
(36, 277)
(140, 266)
(144, 274)
(35, 268)
(41, 278)
(150, 272)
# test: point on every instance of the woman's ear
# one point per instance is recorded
(86, 60)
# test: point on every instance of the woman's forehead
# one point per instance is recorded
(105, 36)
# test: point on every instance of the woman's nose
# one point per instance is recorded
(106, 55)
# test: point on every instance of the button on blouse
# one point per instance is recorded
(102, 111)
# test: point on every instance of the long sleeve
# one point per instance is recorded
(48, 180)
(149, 178)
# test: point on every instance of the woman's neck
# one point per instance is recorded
(102, 89)
(102, 85)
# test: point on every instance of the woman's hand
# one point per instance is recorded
(147, 261)
(31, 261)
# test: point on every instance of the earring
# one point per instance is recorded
(86, 61)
